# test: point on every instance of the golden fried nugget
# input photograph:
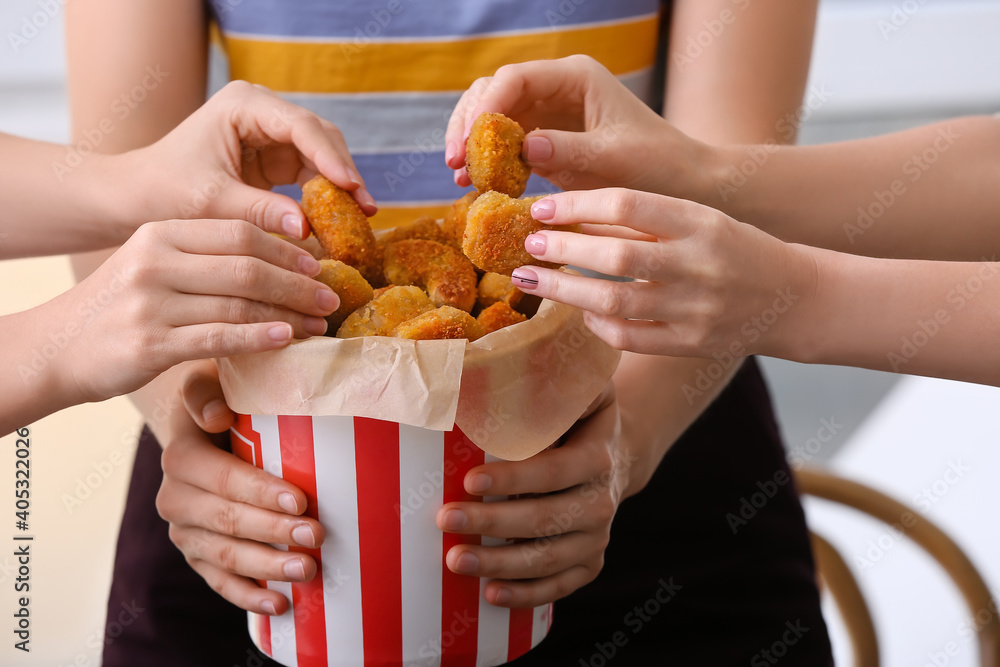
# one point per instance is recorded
(446, 274)
(495, 233)
(493, 155)
(383, 314)
(353, 290)
(424, 227)
(382, 290)
(341, 227)
(498, 316)
(443, 323)
(454, 219)
(496, 288)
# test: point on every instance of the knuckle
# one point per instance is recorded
(246, 273)
(621, 258)
(176, 536)
(625, 204)
(241, 236)
(616, 336)
(227, 559)
(612, 300)
(226, 520)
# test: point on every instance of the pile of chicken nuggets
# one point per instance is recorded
(426, 280)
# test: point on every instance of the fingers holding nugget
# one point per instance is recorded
(493, 155)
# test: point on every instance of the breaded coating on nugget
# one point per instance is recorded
(495, 233)
(496, 288)
(493, 155)
(424, 227)
(454, 219)
(341, 227)
(498, 316)
(382, 315)
(446, 274)
(353, 290)
(443, 323)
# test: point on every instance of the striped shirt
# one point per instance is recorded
(389, 72)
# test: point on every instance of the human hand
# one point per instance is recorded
(223, 160)
(562, 534)
(707, 284)
(594, 132)
(183, 290)
(223, 512)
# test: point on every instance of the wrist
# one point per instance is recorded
(48, 361)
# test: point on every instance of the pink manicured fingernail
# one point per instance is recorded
(280, 333)
(480, 483)
(536, 244)
(355, 177)
(268, 608)
(365, 198)
(286, 501)
(455, 520)
(327, 300)
(304, 536)
(544, 209)
(214, 409)
(292, 225)
(309, 265)
(524, 279)
(538, 149)
(293, 570)
(467, 563)
(449, 152)
(315, 326)
(503, 596)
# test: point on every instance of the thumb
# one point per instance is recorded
(559, 150)
(204, 400)
(270, 211)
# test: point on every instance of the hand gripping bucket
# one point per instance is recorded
(383, 595)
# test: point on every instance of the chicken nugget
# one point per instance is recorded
(424, 227)
(446, 274)
(493, 155)
(382, 315)
(497, 288)
(353, 290)
(443, 323)
(495, 233)
(454, 219)
(341, 227)
(498, 316)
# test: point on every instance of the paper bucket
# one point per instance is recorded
(383, 594)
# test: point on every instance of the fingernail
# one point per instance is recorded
(304, 536)
(480, 483)
(327, 300)
(355, 177)
(503, 596)
(286, 501)
(467, 563)
(268, 608)
(292, 225)
(293, 570)
(309, 265)
(280, 333)
(536, 244)
(525, 279)
(365, 198)
(455, 520)
(315, 326)
(449, 152)
(214, 409)
(543, 209)
(538, 149)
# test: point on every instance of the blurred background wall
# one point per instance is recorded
(879, 66)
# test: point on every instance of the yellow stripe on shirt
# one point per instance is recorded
(389, 217)
(424, 66)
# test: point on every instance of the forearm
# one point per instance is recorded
(939, 319)
(56, 203)
(926, 193)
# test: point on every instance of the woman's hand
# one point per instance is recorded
(559, 536)
(223, 160)
(183, 290)
(224, 513)
(706, 284)
(593, 132)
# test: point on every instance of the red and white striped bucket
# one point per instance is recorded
(383, 594)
